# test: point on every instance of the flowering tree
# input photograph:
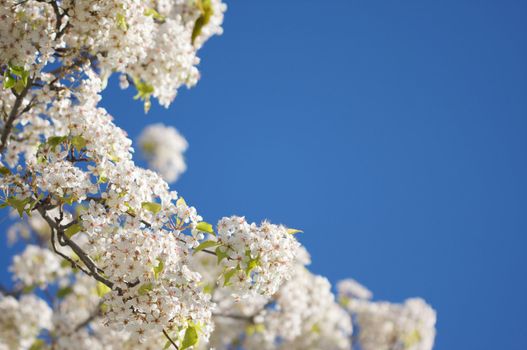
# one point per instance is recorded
(113, 258)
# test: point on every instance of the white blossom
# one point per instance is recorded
(258, 258)
(304, 316)
(22, 320)
(389, 326)
(26, 32)
(172, 59)
(349, 288)
(36, 266)
(163, 147)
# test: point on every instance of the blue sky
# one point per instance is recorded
(392, 132)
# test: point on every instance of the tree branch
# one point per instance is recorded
(147, 224)
(8, 126)
(59, 17)
(92, 317)
(170, 339)
(64, 256)
(235, 317)
(94, 271)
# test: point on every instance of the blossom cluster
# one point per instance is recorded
(304, 316)
(388, 326)
(171, 60)
(165, 292)
(27, 32)
(153, 43)
(22, 321)
(163, 147)
(256, 259)
(37, 266)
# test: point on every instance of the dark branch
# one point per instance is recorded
(235, 317)
(8, 126)
(73, 263)
(170, 339)
(92, 317)
(93, 270)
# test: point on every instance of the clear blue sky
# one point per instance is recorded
(393, 133)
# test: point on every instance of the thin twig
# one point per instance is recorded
(92, 317)
(170, 339)
(64, 256)
(235, 317)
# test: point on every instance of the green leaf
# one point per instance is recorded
(9, 81)
(38, 344)
(254, 328)
(121, 22)
(159, 268)
(79, 209)
(5, 171)
(73, 229)
(205, 227)
(25, 77)
(19, 86)
(33, 203)
(69, 200)
(156, 15)
(102, 289)
(221, 254)
(145, 288)
(144, 91)
(16, 70)
(151, 207)
(18, 204)
(28, 289)
(252, 264)
(205, 245)
(198, 26)
(227, 275)
(181, 201)
(102, 179)
(41, 159)
(205, 7)
(54, 141)
(78, 142)
(190, 338)
(103, 308)
(293, 231)
(62, 292)
(208, 288)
